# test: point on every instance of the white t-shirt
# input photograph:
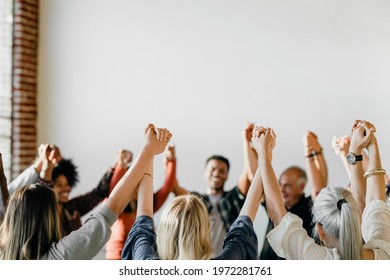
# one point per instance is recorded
(217, 229)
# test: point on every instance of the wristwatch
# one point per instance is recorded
(353, 158)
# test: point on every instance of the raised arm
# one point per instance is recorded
(253, 197)
(250, 155)
(123, 159)
(250, 160)
(145, 188)
(340, 146)
(170, 175)
(154, 143)
(375, 172)
(315, 163)
(145, 193)
(361, 136)
(47, 165)
(32, 173)
(264, 141)
(177, 189)
(3, 190)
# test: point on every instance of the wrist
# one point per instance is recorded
(343, 153)
(47, 168)
(148, 151)
(314, 153)
(38, 165)
(372, 147)
(309, 159)
(355, 150)
(265, 158)
(123, 166)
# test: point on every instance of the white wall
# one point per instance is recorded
(202, 69)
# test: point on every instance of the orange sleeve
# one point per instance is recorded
(116, 176)
(162, 194)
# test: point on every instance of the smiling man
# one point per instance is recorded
(223, 206)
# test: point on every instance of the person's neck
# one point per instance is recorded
(214, 191)
(291, 205)
(60, 207)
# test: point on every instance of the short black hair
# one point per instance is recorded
(68, 169)
(220, 158)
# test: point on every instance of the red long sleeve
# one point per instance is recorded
(162, 194)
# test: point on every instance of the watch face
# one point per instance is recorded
(351, 158)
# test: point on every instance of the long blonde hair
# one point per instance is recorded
(184, 230)
(31, 224)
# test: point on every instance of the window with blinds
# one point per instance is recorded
(6, 37)
(18, 83)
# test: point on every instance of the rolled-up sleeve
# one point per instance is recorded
(240, 242)
(289, 240)
(141, 241)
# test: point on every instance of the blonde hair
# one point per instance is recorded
(30, 225)
(336, 210)
(184, 230)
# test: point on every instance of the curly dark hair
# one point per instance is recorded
(68, 169)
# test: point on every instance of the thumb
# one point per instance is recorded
(149, 126)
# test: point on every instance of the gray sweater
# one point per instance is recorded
(86, 242)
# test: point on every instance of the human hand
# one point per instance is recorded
(156, 138)
(49, 152)
(55, 154)
(247, 132)
(362, 134)
(369, 125)
(170, 153)
(263, 141)
(311, 144)
(124, 158)
(341, 144)
(45, 152)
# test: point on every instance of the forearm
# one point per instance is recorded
(118, 173)
(253, 198)
(250, 160)
(315, 178)
(28, 176)
(162, 194)
(375, 183)
(322, 167)
(346, 164)
(145, 193)
(358, 185)
(38, 165)
(126, 186)
(46, 172)
(272, 194)
(243, 183)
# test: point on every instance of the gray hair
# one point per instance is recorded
(336, 210)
